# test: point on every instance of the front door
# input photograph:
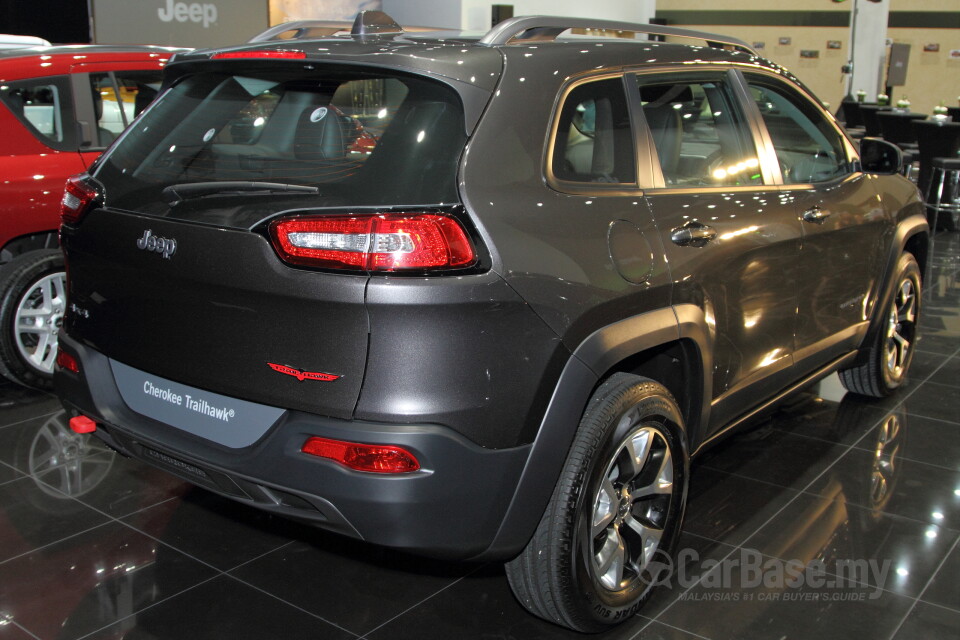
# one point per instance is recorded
(842, 218)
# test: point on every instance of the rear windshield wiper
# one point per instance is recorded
(177, 193)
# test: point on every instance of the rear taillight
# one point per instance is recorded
(294, 55)
(374, 458)
(384, 242)
(77, 198)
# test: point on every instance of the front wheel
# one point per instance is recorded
(32, 303)
(612, 524)
(886, 363)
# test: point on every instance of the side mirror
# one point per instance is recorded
(880, 156)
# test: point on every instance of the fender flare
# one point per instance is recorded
(584, 370)
(907, 229)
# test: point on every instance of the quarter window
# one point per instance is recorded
(593, 141)
(809, 149)
(700, 135)
(43, 106)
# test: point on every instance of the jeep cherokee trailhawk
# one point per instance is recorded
(558, 267)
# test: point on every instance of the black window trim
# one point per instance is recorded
(85, 112)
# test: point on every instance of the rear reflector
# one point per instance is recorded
(295, 55)
(385, 242)
(77, 198)
(363, 457)
(67, 361)
(82, 424)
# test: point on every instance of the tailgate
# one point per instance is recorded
(222, 313)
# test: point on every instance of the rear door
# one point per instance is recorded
(843, 221)
(176, 274)
(731, 240)
(38, 151)
(220, 312)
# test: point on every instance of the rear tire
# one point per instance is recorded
(32, 304)
(887, 361)
(612, 524)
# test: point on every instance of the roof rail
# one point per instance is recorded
(549, 27)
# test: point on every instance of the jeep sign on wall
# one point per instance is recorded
(181, 23)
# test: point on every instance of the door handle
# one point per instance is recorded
(693, 234)
(816, 214)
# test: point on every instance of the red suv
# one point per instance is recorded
(61, 106)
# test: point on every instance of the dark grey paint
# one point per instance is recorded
(549, 315)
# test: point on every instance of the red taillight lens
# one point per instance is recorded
(67, 361)
(363, 457)
(295, 55)
(77, 198)
(386, 242)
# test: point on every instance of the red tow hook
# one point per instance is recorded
(82, 424)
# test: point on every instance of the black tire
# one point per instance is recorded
(885, 365)
(560, 576)
(19, 291)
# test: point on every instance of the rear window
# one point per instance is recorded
(361, 139)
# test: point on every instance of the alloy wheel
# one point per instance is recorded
(631, 506)
(901, 329)
(37, 321)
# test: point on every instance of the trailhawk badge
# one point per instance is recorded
(302, 375)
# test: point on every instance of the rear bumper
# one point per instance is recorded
(452, 508)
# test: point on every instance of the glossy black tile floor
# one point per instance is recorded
(93, 545)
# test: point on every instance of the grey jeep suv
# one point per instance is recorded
(480, 297)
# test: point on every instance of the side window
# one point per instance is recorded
(43, 105)
(700, 135)
(593, 140)
(808, 148)
(119, 98)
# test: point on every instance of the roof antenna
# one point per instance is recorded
(369, 23)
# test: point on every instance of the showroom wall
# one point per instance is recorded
(288, 10)
(932, 76)
(474, 15)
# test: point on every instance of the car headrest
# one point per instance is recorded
(319, 135)
(660, 94)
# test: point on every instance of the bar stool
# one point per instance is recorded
(936, 140)
(943, 196)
